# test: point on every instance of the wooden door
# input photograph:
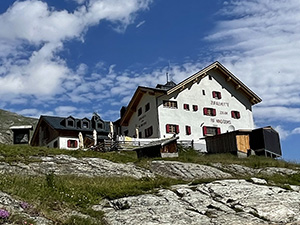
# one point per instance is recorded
(243, 143)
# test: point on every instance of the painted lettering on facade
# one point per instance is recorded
(219, 103)
(221, 121)
(223, 113)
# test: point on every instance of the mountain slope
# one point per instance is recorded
(8, 119)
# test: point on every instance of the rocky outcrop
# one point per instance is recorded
(244, 170)
(219, 202)
(67, 165)
(186, 171)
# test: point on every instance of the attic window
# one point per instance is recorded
(235, 114)
(216, 95)
(209, 112)
(211, 131)
(209, 77)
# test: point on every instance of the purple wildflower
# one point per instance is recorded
(4, 214)
(24, 205)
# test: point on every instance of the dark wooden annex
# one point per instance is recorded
(262, 141)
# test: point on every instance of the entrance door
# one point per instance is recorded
(243, 143)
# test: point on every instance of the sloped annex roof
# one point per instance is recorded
(140, 91)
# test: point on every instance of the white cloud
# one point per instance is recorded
(259, 42)
(31, 36)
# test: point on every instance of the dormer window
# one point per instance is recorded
(99, 125)
(85, 124)
(70, 122)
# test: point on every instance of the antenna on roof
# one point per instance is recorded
(167, 73)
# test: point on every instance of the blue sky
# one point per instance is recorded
(76, 57)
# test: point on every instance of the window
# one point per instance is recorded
(209, 112)
(147, 107)
(203, 92)
(72, 144)
(216, 94)
(70, 123)
(99, 126)
(210, 131)
(188, 130)
(195, 108)
(140, 134)
(170, 104)
(172, 128)
(235, 114)
(186, 107)
(209, 77)
(85, 124)
(140, 111)
(149, 132)
(126, 132)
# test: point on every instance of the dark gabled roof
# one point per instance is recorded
(58, 123)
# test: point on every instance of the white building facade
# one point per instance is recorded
(210, 102)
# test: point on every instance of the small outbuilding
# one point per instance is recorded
(162, 148)
(235, 142)
(265, 141)
(262, 141)
(21, 134)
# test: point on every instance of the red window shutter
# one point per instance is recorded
(214, 94)
(177, 129)
(195, 108)
(232, 114)
(238, 115)
(219, 95)
(214, 112)
(218, 130)
(188, 130)
(205, 111)
(204, 130)
(76, 144)
(168, 128)
(185, 106)
(69, 143)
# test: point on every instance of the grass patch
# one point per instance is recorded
(27, 154)
(53, 194)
